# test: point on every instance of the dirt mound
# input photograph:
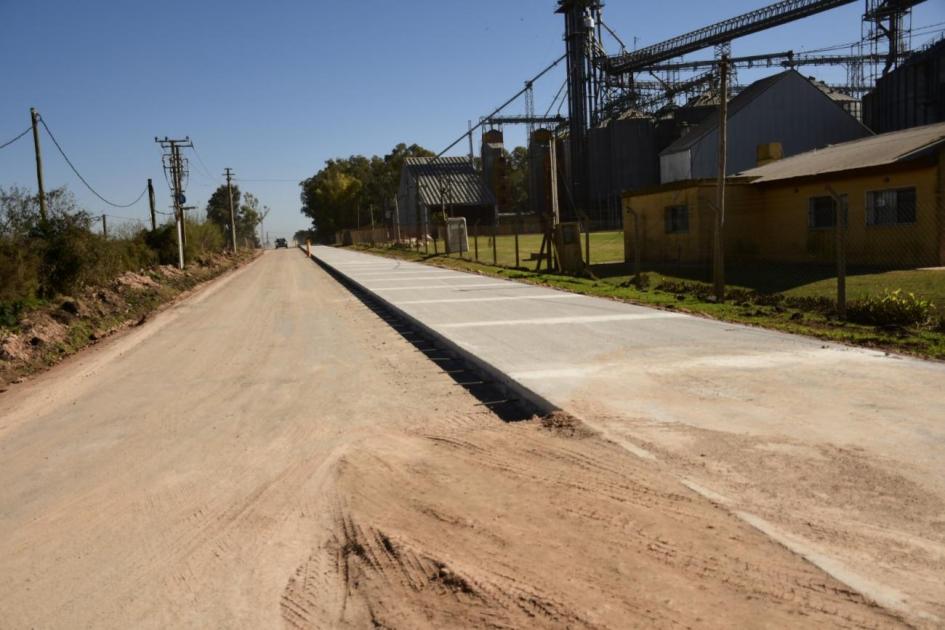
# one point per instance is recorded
(132, 280)
(14, 348)
(169, 271)
(565, 425)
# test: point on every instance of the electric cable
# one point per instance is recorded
(9, 142)
(203, 165)
(564, 84)
(77, 174)
(245, 179)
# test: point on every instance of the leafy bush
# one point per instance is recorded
(893, 308)
(41, 259)
(19, 271)
(203, 238)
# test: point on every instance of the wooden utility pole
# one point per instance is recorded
(718, 254)
(34, 120)
(174, 163)
(178, 187)
(151, 202)
(104, 228)
(229, 195)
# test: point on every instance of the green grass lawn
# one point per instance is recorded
(606, 247)
(799, 281)
(926, 284)
(611, 281)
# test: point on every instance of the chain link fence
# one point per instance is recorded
(513, 242)
(884, 264)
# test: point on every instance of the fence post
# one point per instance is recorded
(515, 226)
(587, 240)
(840, 240)
(495, 257)
(476, 239)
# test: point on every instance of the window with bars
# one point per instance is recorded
(677, 219)
(891, 207)
(822, 212)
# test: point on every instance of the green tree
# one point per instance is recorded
(518, 179)
(343, 193)
(249, 216)
(218, 207)
(330, 198)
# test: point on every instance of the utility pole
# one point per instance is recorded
(229, 195)
(34, 119)
(178, 185)
(104, 228)
(151, 202)
(718, 255)
(174, 163)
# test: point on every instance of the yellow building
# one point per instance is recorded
(784, 211)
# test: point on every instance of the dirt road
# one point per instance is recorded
(271, 454)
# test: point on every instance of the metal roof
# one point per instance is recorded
(880, 150)
(736, 103)
(449, 180)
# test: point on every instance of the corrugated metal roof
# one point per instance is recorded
(886, 148)
(452, 180)
(835, 95)
(736, 103)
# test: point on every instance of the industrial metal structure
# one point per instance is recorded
(911, 95)
(603, 86)
(624, 106)
(449, 185)
(807, 118)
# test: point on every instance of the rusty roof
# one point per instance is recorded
(879, 150)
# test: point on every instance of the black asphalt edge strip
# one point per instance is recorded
(540, 403)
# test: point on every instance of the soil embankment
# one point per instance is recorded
(46, 335)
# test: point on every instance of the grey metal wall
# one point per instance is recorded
(410, 211)
(792, 112)
(911, 95)
(622, 156)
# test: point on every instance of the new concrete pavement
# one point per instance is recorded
(715, 403)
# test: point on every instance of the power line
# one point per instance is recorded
(244, 179)
(203, 164)
(9, 142)
(112, 216)
(77, 174)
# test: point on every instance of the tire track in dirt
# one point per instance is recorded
(322, 473)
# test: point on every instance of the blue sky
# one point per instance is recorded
(273, 89)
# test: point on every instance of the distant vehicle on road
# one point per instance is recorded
(281, 242)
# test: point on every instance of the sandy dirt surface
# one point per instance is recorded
(270, 454)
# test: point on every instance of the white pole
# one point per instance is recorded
(180, 244)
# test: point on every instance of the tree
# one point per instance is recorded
(342, 194)
(330, 199)
(218, 208)
(247, 219)
(303, 235)
(518, 179)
